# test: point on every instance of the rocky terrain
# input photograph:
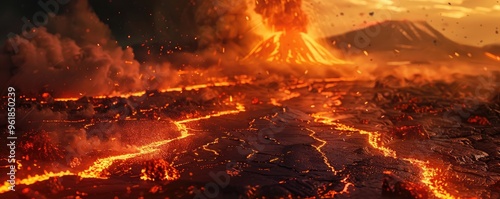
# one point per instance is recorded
(388, 138)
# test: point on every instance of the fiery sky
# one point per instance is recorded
(473, 22)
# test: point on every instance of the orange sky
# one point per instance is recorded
(472, 22)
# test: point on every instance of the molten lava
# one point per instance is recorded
(289, 41)
(97, 168)
(325, 192)
(293, 47)
(159, 170)
(431, 177)
(219, 83)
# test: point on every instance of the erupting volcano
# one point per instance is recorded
(289, 41)
(417, 116)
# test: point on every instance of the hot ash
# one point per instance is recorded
(289, 41)
(39, 146)
(159, 170)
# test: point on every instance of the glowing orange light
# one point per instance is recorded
(159, 170)
(492, 56)
(289, 42)
(293, 47)
(97, 168)
(241, 80)
(430, 177)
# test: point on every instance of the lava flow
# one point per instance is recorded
(159, 170)
(429, 175)
(329, 193)
(241, 80)
(227, 99)
(97, 168)
(289, 41)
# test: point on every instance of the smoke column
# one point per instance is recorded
(282, 15)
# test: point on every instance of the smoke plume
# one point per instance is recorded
(224, 23)
(74, 55)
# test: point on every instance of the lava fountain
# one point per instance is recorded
(289, 41)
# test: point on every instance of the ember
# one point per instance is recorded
(478, 120)
(39, 145)
(159, 170)
(410, 132)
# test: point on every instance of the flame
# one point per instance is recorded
(96, 170)
(430, 176)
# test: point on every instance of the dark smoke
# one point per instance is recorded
(224, 23)
(75, 54)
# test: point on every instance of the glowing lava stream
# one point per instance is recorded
(318, 148)
(429, 175)
(95, 171)
(205, 147)
(177, 89)
(293, 47)
(347, 184)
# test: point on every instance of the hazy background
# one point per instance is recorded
(96, 47)
(472, 22)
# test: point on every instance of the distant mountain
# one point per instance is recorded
(410, 41)
(493, 49)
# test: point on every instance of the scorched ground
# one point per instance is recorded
(263, 138)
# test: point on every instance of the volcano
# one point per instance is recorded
(293, 47)
(200, 122)
(289, 42)
(415, 41)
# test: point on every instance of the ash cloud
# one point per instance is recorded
(78, 143)
(224, 23)
(74, 54)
